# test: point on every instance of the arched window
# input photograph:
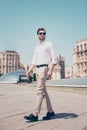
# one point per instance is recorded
(85, 46)
(77, 48)
(81, 48)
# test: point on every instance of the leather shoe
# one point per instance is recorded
(31, 118)
(49, 115)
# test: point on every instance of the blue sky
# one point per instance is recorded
(64, 20)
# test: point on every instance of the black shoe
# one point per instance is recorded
(31, 118)
(49, 115)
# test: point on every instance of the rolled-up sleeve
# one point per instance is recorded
(52, 54)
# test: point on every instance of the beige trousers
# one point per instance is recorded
(41, 74)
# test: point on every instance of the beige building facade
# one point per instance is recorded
(68, 72)
(80, 59)
(59, 69)
(9, 61)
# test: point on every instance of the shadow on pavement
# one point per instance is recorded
(60, 115)
(65, 115)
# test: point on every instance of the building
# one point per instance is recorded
(59, 69)
(68, 71)
(9, 61)
(80, 59)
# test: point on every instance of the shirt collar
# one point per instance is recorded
(40, 44)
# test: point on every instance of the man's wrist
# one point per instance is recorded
(51, 68)
(30, 69)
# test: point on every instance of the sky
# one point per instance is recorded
(64, 20)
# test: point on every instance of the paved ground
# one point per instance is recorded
(16, 101)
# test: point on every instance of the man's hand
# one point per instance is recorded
(49, 74)
(28, 73)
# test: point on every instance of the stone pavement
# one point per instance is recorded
(16, 101)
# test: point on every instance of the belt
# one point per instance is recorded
(42, 65)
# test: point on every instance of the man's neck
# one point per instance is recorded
(41, 41)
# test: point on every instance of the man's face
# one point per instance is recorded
(41, 35)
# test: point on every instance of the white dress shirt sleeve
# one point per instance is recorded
(52, 53)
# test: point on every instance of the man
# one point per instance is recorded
(43, 55)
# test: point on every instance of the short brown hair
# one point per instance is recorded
(40, 29)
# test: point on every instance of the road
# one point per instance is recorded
(17, 100)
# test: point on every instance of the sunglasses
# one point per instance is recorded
(40, 33)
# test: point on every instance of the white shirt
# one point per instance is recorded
(44, 54)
